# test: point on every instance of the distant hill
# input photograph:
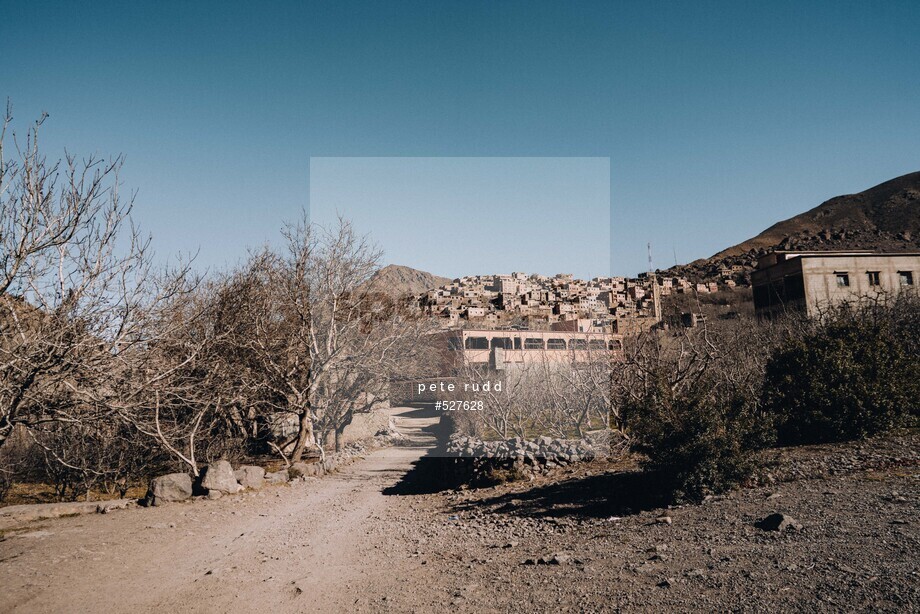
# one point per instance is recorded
(399, 281)
(885, 217)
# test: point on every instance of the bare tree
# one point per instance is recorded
(71, 275)
(312, 340)
(561, 394)
(81, 309)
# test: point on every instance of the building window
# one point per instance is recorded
(533, 344)
(597, 344)
(517, 343)
(477, 343)
(906, 278)
(555, 344)
(578, 344)
(501, 342)
(874, 278)
(843, 280)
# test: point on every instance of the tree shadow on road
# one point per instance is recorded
(614, 493)
(432, 472)
(618, 493)
(429, 474)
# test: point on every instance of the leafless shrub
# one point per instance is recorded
(297, 333)
(560, 394)
(689, 399)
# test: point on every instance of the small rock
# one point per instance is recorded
(779, 522)
(277, 477)
(250, 476)
(301, 470)
(559, 559)
(104, 507)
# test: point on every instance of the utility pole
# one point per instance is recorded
(653, 280)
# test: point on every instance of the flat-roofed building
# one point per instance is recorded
(503, 349)
(816, 281)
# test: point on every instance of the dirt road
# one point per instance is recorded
(585, 540)
(320, 545)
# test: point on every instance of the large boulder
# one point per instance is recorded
(169, 488)
(219, 476)
(250, 476)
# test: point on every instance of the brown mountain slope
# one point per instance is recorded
(885, 217)
(398, 281)
(889, 208)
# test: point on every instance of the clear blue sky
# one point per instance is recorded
(718, 118)
(474, 215)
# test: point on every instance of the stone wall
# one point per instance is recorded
(481, 462)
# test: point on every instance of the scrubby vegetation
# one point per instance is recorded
(855, 374)
(699, 440)
(113, 367)
(700, 403)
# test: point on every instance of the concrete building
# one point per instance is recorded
(505, 349)
(814, 281)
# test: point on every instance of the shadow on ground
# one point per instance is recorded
(619, 493)
(431, 473)
(595, 496)
(614, 493)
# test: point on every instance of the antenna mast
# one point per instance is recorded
(653, 280)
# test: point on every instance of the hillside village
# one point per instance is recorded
(602, 304)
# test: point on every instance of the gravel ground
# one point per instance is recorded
(377, 538)
(592, 540)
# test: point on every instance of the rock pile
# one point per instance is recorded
(521, 458)
(542, 449)
(219, 478)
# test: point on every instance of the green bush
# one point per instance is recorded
(855, 375)
(699, 440)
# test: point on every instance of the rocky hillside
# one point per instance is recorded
(885, 217)
(399, 281)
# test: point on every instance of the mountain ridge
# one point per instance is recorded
(885, 217)
(399, 281)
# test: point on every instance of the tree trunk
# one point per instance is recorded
(304, 436)
(338, 438)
